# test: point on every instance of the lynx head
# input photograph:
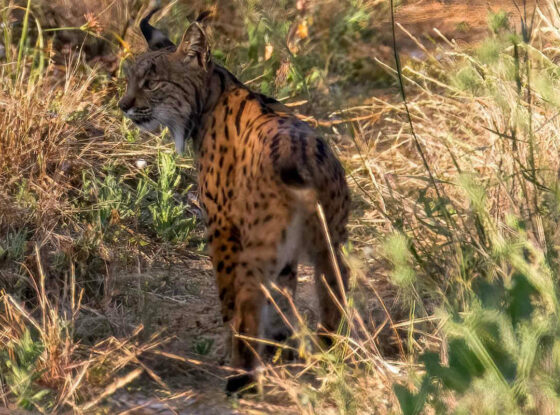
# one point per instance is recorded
(166, 84)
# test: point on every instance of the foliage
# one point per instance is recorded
(296, 53)
(453, 302)
(168, 216)
(153, 203)
(506, 341)
(12, 246)
(21, 372)
(499, 305)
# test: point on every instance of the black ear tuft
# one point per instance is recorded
(155, 38)
(205, 15)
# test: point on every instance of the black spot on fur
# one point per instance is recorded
(321, 151)
(275, 148)
(239, 115)
(234, 235)
(210, 196)
(222, 81)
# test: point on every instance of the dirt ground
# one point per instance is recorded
(182, 297)
(465, 21)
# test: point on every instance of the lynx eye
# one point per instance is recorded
(150, 85)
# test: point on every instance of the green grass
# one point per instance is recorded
(21, 371)
(498, 302)
(453, 306)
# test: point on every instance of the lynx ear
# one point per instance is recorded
(155, 38)
(194, 43)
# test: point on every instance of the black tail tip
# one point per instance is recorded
(291, 177)
(206, 14)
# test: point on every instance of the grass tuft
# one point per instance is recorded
(453, 302)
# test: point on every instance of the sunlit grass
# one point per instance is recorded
(453, 303)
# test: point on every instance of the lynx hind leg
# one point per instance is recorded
(330, 308)
(254, 316)
(247, 323)
(278, 312)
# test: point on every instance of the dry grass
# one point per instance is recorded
(55, 370)
(480, 205)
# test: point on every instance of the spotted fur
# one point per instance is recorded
(261, 173)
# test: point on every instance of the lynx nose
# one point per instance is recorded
(126, 103)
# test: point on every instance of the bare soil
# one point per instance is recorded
(465, 21)
(182, 300)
